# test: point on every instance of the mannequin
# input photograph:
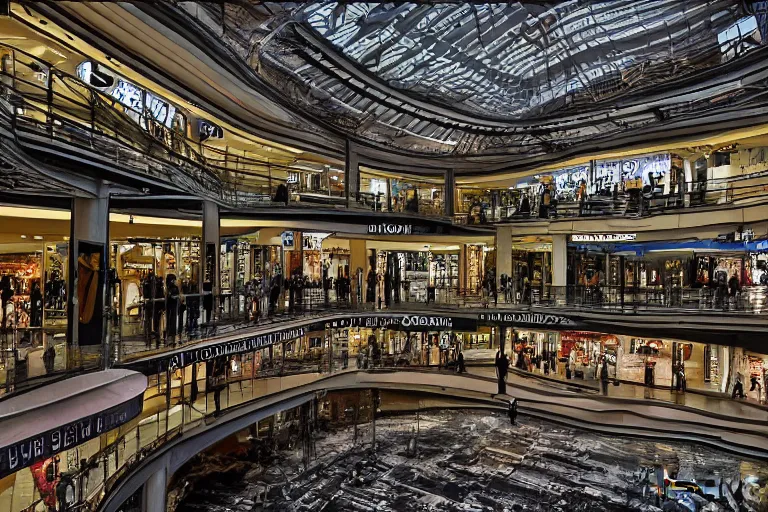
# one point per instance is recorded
(36, 306)
(6, 292)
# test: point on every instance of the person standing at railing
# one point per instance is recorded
(582, 196)
(171, 307)
(525, 206)
(734, 288)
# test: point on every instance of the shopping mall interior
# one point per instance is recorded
(406, 256)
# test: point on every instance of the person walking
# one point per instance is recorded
(460, 368)
(217, 375)
(738, 389)
(502, 368)
(604, 377)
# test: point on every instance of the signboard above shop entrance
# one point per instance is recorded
(390, 229)
(604, 237)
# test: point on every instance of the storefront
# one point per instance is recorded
(480, 206)
(536, 351)
(479, 259)
(417, 197)
(410, 276)
(149, 270)
(444, 273)
(531, 267)
(33, 308)
(662, 363)
(668, 272)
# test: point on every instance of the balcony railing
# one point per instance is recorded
(734, 190)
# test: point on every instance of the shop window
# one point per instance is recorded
(643, 346)
(722, 158)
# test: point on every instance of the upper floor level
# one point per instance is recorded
(70, 104)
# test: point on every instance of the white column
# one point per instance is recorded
(560, 260)
(503, 253)
(154, 493)
(688, 172)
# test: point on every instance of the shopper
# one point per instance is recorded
(512, 411)
(738, 389)
(460, 368)
(217, 376)
(525, 206)
(755, 386)
(604, 377)
(49, 358)
(502, 367)
(680, 385)
(568, 371)
(171, 307)
(733, 285)
(582, 196)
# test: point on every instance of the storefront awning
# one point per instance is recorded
(639, 249)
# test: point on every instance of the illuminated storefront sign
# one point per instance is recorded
(604, 237)
(607, 173)
(287, 239)
(207, 130)
(426, 321)
(390, 229)
(25, 453)
(240, 346)
(538, 319)
(405, 323)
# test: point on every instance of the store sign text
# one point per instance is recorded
(526, 318)
(406, 322)
(235, 347)
(426, 321)
(25, 453)
(605, 237)
(390, 229)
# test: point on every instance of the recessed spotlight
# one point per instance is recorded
(24, 236)
(38, 237)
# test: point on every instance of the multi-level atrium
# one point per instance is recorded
(384, 256)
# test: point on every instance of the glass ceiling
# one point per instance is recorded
(521, 78)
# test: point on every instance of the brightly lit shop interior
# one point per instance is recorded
(579, 355)
(388, 192)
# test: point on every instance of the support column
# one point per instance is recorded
(153, 496)
(450, 193)
(503, 253)
(688, 173)
(88, 264)
(351, 175)
(463, 269)
(560, 260)
(358, 260)
(210, 253)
